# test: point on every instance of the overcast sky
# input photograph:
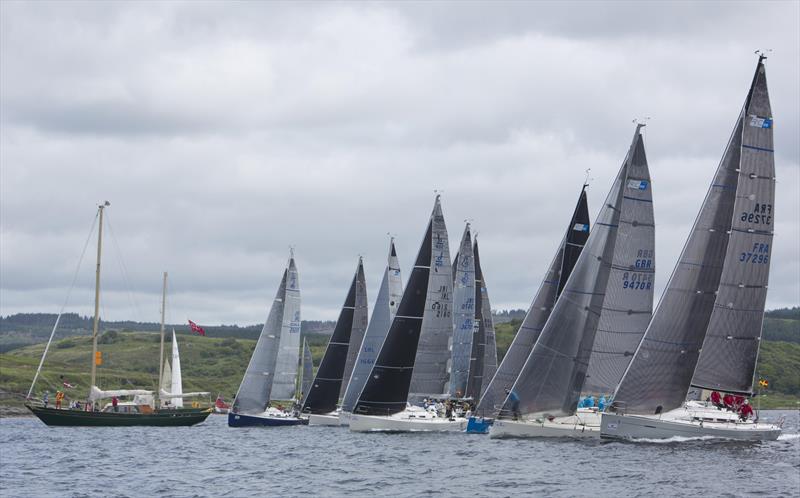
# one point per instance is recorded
(223, 133)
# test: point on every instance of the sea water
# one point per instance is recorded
(211, 459)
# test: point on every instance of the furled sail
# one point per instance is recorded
(463, 316)
(308, 371)
(176, 387)
(387, 388)
(628, 305)
(389, 295)
(553, 375)
(257, 384)
(324, 393)
(577, 232)
(289, 345)
(430, 377)
(719, 282)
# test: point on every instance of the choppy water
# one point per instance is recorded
(213, 460)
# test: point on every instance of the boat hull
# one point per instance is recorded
(369, 423)
(614, 426)
(77, 418)
(242, 420)
(327, 419)
(479, 425)
(530, 429)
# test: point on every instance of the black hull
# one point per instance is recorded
(77, 418)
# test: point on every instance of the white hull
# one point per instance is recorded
(405, 422)
(684, 423)
(587, 425)
(328, 419)
(344, 418)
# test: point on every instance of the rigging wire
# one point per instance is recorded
(63, 306)
(124, 271)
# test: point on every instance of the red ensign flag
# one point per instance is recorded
(197, 328)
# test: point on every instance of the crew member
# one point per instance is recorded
(745, 410)
(716, 400)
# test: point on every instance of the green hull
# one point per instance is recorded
(77, 418)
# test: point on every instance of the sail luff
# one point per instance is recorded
(539, 311)
(389, 296)
(662, 368)
(463, 316)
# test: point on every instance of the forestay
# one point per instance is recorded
(540, 308)
(389, 295)
(742, 189)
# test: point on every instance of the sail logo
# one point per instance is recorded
(637, 184)
(758, 122)
(581, 227)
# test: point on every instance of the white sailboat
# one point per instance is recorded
(598, 319)
(707, 328)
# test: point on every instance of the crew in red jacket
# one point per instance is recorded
(728, 401)
(745, 411)
(715, 399)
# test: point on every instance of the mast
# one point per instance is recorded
(96, 325)
(161, 352)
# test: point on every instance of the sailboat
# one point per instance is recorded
(608, 294)
(554, 280)
(322, 399)
(272, 371)
(171, 393)
(412, 363)
(142, 411)
(706, 330)
(389, 295)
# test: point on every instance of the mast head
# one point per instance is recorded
(762, 54)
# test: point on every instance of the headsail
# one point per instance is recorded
(324, 393)
(486, 324)
(430, 377)
(389, 295)
(387, 387)
(254, 392)
(715, 297)
(308, 371)
(463, 316)
(359, 327)
(539, 311)
(177, 381)
(166, 380)
(289, 349)
(553, 375)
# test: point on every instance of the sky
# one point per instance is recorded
(224, 133)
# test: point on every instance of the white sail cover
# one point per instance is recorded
(554, 374)
(176, 387)
(430, 377)
(389, 295)
(254, 392)
(96, 393)
(463, 316)
(715, 297)
(283, 387)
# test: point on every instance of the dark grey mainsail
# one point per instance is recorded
(487, 334)
(553, 375)
(389, 295)
(359, 327)
(308, 371)
(387, 388)
(324, 393)
(285, 382)
(463, 316)
(254, 392)
(628, 305)
(541, 306)
(430, 376)
(715, 297)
